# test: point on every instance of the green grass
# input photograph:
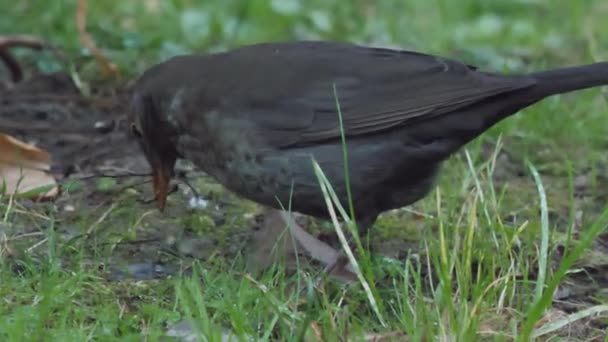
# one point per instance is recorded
(486, 255)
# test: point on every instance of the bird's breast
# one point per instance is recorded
(241, 166)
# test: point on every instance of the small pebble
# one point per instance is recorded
(198, 203)
(104, 127)
(200, 249)
(140, 271)
(581, 182)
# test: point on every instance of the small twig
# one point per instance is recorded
(103, 102)
(37, 244)
(7, 42)
(179, 176)
(133, 242)
(17, 41)
(12, 65)
(24, 236)
(104, 175)
(173, 190)
(108, 67)
(100, 219)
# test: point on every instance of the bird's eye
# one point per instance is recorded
(135, 131)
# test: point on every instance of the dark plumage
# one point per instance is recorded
(253, 118)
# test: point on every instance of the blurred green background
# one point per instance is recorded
(497, 34)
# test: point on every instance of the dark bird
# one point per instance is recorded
(254, 117)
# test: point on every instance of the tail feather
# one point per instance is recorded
(569, 79)
(480, 116)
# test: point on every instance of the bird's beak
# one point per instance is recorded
(160, 179)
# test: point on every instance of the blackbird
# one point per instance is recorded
(255, 117)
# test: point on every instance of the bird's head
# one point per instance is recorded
(156, 136)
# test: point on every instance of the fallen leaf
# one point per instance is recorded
(319, 250)
(24, 170)
(274, 242)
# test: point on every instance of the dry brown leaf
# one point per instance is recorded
(317, 331)
(274, 242)
(319, 250)
(24, 168)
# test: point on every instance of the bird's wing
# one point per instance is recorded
(382, 101)
(292, 91)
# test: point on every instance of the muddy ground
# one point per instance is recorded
(104, 212)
